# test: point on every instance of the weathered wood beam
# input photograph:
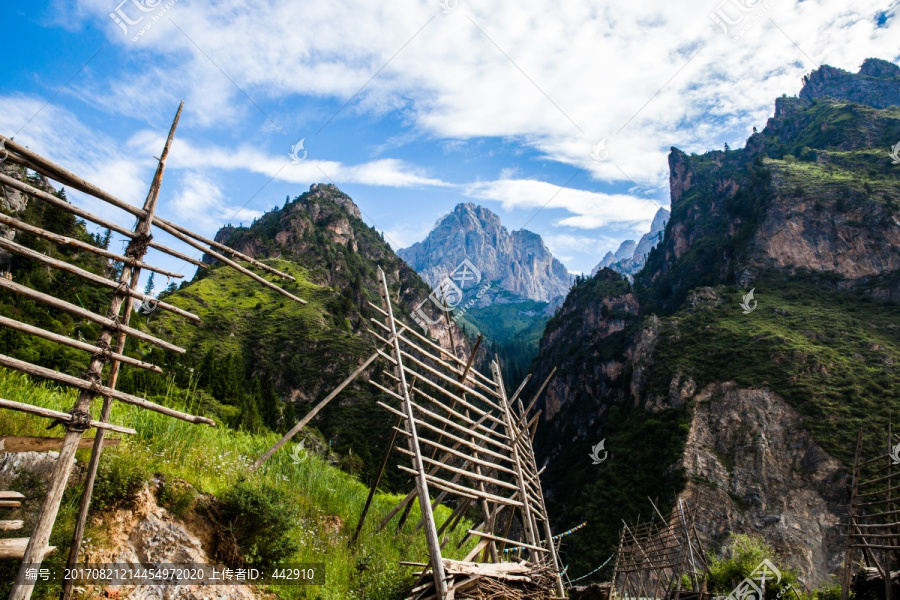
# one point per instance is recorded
(87, 275)
(61, 339)
(82, 384)
(79, 212)
(86, 314)
(61, 416)
(67, 241)
(66, 177)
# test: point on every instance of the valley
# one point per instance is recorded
(729, 360)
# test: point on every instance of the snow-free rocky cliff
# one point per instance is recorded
(749, 417)
(518, 262)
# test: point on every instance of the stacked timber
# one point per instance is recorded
(491, 581)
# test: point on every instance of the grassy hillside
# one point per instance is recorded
(212, 463)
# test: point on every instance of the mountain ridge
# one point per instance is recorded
(518, 261)
(751, 417)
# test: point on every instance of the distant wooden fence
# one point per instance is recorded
(653, 557)
(115, 323)
(873, 526)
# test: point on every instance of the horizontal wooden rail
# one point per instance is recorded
(461, 489)
(44, 373)
(514, 543)
(67, 241)
(87, 275)
(86, 314)
(457, 453)
(66, 177)
(79, 212)
(55, 414)
(61, 339)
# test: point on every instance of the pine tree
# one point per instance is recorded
(268, 402)
(148, 289)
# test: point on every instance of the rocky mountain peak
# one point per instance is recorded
(631, 255)
(328, 191)
(877, 84)
(518, 262)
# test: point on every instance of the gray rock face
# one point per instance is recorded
(518, 262)
(763, 474)
(631, 256)
(877, 84)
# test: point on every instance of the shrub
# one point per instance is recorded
(741, 556)
(177, 496)
(118, 479)
(261, 519)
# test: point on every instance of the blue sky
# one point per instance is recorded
(411, 107)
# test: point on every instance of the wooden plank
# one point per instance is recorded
(55, 414)
(12, 496)
(44, 373)
(61, 339)
(86, 314)
(21, 443)
(11, 525)
(10, 504)
(14, 549)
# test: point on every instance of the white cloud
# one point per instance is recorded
(590, 210)
(201, 203)
(556, 77)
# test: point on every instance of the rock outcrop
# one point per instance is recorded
(754, 469)
(517, 261)
(877, 84)
(698, 398)
(324, 216)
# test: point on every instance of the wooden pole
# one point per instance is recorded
(60, 416)
(40, 536)
(71, 208)
(93, 387)
(97, 450)
(365, 510)
(62, 175)
(848, 559)
(431, 536)
(108, 322)
(262, 459)
(517, 463)
(87, 275)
